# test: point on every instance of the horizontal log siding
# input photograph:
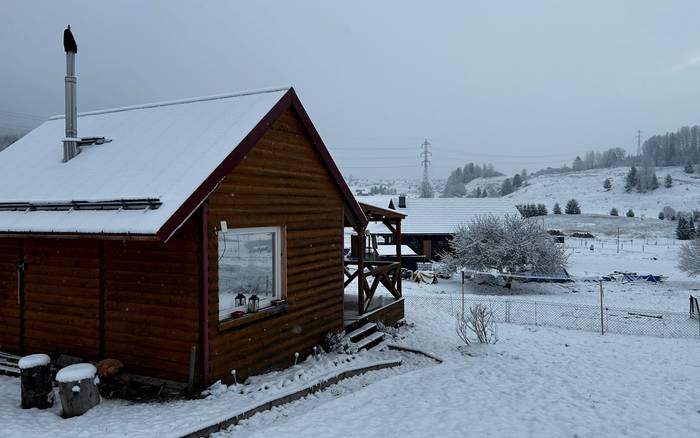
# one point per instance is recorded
(281, 182)
(61, 297)
(9, 309)
(151, 303)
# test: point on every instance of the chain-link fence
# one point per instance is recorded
(569, 316)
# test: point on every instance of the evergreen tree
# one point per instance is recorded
(478, 192)
(630, 213)
(541, 210)
(517, 180)
(688, 167)
(506, 187)
(614, 212)
(691, 228)
(668, 181)
(426, 190)
(685, 229)
(661, 215)
(572, 207)
(607, 184)
(556, 209)
(654, 182)
(578, 164)
(631, 180)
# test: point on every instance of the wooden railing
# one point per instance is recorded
(388, 274)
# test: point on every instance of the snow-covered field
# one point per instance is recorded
(587, 188)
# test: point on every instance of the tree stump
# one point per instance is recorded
(35, 378)
(77, 385)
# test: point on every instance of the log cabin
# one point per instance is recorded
(184, 238)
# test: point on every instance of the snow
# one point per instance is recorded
(118, 418)
(587, 187)
(76, 372)
(34, 360)
(390, 250)
(534, 382)
(163, 151)
(438, 215)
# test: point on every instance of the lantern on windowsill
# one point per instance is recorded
(253, 303)
(240, 300)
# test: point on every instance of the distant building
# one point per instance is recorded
(430, 222)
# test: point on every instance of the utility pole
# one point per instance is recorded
(426, 190)
(639, 143)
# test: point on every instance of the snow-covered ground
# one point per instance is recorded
(117, 418)
(535, 382)
(587, 188)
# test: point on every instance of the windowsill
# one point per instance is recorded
(249, 318)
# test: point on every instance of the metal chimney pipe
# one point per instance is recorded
(70, 143)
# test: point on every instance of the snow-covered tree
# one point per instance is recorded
(661, 215)
(685, 229)
(572, 207)
(614, 212)
(426, 190)
(669, 213)
(668, 181)
(688, 167)
(507, 187)
(557, 208)
(607, 184)
(689, 258)
(631, 179)
(578, 164)
(507, 244)
(517, 180)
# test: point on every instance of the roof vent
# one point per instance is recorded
(70, 143)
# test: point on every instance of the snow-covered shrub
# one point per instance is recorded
(661, 215)
(614, 212)
(689, 258)
(669, 212)
(630, 213)
(333, 341)
(479, 322)
(507, 244)
(607, 184)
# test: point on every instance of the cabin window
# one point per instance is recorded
(250, 263)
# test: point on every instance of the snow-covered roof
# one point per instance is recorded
(161, 151)
(390, 250)
(441, 215)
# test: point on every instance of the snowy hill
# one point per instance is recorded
(587, 188)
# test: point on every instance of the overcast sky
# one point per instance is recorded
(517, 83)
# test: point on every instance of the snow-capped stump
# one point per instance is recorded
(77, 385)
(35, 377)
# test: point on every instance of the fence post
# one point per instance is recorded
(535, 312)
(602, 321)
(507, 311)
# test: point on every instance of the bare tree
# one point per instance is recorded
(480, 322)
(689, 258)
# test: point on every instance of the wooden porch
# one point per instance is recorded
(365, 274)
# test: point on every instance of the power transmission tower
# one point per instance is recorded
(426, 189)
(639, 143)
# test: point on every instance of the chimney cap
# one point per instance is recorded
(69, 44)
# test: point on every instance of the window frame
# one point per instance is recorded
(278, 272)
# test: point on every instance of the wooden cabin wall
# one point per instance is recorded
(151, 294)
(9, 307)
(61, 297)
(143, 294)
(282, 182)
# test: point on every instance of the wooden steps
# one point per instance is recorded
(365, 337)
(9, 364)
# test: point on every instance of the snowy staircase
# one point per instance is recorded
(365, 337)
(9, 364)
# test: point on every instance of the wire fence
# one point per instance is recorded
(585, 317)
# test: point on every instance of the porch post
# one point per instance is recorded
(397, 239)
(360, 270)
